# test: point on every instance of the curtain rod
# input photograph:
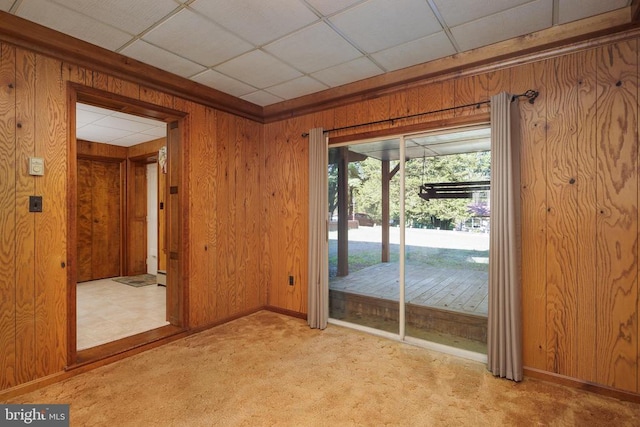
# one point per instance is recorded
(531, 95)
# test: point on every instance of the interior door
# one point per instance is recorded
(99, 219)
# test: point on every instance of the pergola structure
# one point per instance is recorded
(430, 144)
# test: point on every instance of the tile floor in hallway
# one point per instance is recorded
(108, 310)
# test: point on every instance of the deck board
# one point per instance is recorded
(457, 290)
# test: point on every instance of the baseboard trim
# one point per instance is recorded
(582, 385)
(81, 368)
(286, 312)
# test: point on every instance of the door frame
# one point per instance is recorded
(79, 93)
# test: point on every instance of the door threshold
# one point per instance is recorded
(113, 348)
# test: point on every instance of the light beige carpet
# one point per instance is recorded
(269, 369)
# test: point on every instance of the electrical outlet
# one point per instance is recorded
(290, 280)
(35, 203)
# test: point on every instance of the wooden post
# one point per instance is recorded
(386, 178)
(343, 212)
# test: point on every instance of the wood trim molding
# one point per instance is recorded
(582, 385)
(43, 40)
(286, 312)
(558, 40)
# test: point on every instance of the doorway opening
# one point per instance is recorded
(409, 235)
(124, 223)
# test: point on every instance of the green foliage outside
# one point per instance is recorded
(365, 186)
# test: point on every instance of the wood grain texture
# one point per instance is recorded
(617, 226)
(224, 237)
(156, 97)
(136, 252)
(213, 209)
(78, 74)
(106, 217)
(84, 222)
(175, 229)
(533, 207)
(199, 197)
(50, 251)
(562, 216)
(88, 149)
(7, 216)
(25, 221)
(587, 258)
(252, 140)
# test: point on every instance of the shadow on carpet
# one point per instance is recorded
(138, 281)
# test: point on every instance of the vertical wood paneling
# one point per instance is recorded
(79, 74)
(123, 87)
(156, 97)
(7, 216)
(587, 216)
(51, 223)
(253, 290)
(562, 215)
(617, 226)
(224, 238)
(199, 197)
(211, 154)
(25, 221)
(533, 206)
(242, 216)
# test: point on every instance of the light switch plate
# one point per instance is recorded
(36, 166)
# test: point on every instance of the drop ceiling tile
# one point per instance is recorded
(258, 69)
(458, 12)
(257, 21)
(150, 123)
(126, 15)
(191, 36)
(416, 52)
(261, 98)
(380, 24)
(572, 10)
(133, 139)
(520, 20)
(99, 133)
(223, 83)
(122, 124)
(156, 132)
(348, 72)
(313, 48)
(297, 87)
(84, 117)
(328, 7)
(160, 58)
(72, 23)
(6, 5)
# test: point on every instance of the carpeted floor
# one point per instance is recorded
(269, 369)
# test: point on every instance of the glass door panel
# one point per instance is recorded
(363, 234)
(447, 238)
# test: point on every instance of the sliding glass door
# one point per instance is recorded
(408, 239)
(363, 234)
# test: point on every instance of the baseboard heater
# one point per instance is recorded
(161, 277)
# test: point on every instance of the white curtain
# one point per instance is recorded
(318, 293)
(504, 341)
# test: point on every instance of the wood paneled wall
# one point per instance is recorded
(579, 200)
(223, 216)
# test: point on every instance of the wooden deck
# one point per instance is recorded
(462, 291)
